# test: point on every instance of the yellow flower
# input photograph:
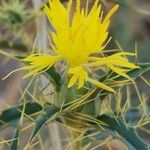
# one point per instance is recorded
(75, 40)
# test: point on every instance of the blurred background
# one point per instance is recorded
(24, 29)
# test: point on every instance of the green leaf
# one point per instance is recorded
(15, 142)
(54, 75)
(4, 44)
(93, 135)
(128, 134)
(19, 47)
(90, 108)
(11, 116)
(48, 113)
(133, 115)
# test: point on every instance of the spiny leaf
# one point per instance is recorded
(4, 44)
(14, 144)
(48, 113)
(127, 133)
(93, 135)
(12, 115)
(133, 115)
(54, 75)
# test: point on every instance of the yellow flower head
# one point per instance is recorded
(75, 40)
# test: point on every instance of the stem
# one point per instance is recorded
(42, 45)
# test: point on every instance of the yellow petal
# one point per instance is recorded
(33, 72)
(119, 71)
(79, 74)
(81, 81)
(71, 37)
(101, 85)
(57, 15)
(39, 62)
(72, 81)
(112, 11)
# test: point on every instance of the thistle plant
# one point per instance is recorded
(14, 15)
(85, 84)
